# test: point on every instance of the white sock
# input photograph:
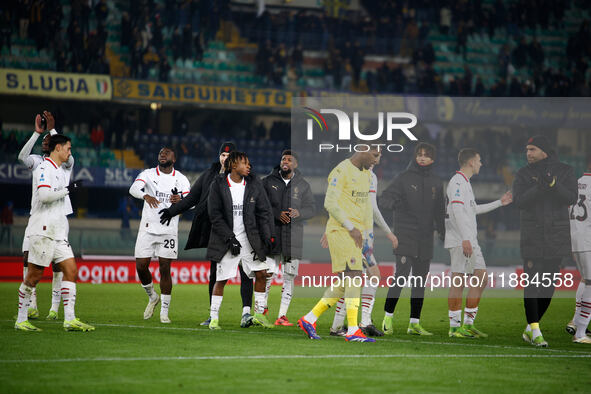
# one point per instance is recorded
(388, 314)
(56, 291)
(352, 330)
(260, 301)
(470, 315)
(578, 297)
(245, 310)
(164, 304)
(286, 292)
(216, 303)
(584, 315)
(340, 313)
(414, 321)
(267, 289)
(26, 269)
(149, 288)
(24, 298)
(455, 318)
(368, 297)
(33, 303)
(69, 297)
(311, 317)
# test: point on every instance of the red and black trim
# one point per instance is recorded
(140, 179)
(43, 186)
(462, 174)
(457, 202)
(51, 161)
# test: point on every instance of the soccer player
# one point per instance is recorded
(159, 187)
(416, 197)
(580, 231)
(350, 214)
(292, 202)
(462, 242)
(32, 161)
(201, 228)
(241, 233)
(48, 235)
(370, 266)
(543, 190)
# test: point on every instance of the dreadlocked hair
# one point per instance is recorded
(234, 158)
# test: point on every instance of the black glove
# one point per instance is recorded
(547, 180)
(234, 246)
(174, 191)
(74, 186)
(165, 216)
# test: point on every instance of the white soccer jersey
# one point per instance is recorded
(48, 204)
(237, 191)
(160, 186)
(580, 217)
(461, 211)
(32, 161)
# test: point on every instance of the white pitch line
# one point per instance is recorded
(392, 340)
(290, 356)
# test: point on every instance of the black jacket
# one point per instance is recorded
(201, 227)
(298, 195)
(416, 197)
(545, 228)
(257, 216)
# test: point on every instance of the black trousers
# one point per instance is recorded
(246, 287)
(537, 298)
(420, 268)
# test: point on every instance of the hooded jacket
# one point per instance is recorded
(298, 195)
(417, 199)
(257, 216)
(544, 217)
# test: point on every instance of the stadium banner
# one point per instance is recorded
(200, 94)
(311, 275)
(17, 173)
(55, 84)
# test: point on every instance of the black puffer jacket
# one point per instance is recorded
(298, 195)
(201, 227)
(257, 216)
(416, 197)
(545, 228)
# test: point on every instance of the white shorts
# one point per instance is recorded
(228, 266)
(290, 267)
(26, 236)
(156, 245)
(43, 251)
(583, 260)
(466, 265)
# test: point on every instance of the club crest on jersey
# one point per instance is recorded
(333, 182)
(42, 178)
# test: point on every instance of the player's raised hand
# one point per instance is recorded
(49, 119)
(152, 202)
(507, 198)
(393, 239)
(357, 237)
(165, 216)
(323, 241)
(467, 248)
(38, 126)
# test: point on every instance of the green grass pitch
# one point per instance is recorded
(127, 354)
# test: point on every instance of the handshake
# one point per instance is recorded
(74, 186)
(165, 216)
